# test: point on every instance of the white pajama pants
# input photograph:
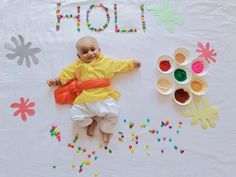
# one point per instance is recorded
(107, 110)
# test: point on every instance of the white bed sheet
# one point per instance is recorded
(26, 147)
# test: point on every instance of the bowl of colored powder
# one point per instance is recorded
(182, 75)
(182, 56)
(165, 85)
(198, 86)
(199, 67)
(165, 64)
(182, 96)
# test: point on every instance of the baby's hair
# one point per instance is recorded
(85, 38)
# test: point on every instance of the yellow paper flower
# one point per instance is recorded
(202, 111)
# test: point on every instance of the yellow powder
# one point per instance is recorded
(164, 85)
(196, 86)
(180, 58)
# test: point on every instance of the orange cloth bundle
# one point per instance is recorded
(66, 94)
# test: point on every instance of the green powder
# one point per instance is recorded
(180, 75)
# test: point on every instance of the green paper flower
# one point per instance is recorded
(166, 16)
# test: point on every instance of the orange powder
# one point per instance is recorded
(196, 86)
(180, 58)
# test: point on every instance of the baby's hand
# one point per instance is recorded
(137, 64)
(53, 82)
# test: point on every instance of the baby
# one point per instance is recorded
(97, 99)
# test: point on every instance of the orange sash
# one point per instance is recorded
(66, 94)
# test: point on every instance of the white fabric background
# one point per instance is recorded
(27, 149)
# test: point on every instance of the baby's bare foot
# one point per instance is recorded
(106, 137)
(91, 128)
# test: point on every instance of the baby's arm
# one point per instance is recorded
(66, 75)
(137, 64)
(124, 65)
(53, 82)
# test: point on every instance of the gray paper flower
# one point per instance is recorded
(22, 51)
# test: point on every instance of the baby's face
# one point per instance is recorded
(88, 50)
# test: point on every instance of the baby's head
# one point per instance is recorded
(88, 49)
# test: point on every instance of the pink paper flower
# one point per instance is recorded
(23, 108)
(206, 53)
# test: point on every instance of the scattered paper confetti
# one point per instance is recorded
(75, 139)
(54, 132)
(70, 145)
(148, 153)
(131, 125)
(73, 165)
(95, 174)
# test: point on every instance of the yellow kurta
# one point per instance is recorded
(100, 68)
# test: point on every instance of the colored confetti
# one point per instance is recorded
(95, 174)
(54, 132)
(131, 125)
(148, 153)
(67, 16)
(117, 29)
(73, 165)
(70, 145)
(75, 139)
(142, 18)
(107, 16)
(143, 125)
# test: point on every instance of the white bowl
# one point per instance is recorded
(165, 85)
(179, 73)
(199, 67)
(198, 86)
(182, 56)
(168, 59)
(181, 93)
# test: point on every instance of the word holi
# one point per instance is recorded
(105, 25)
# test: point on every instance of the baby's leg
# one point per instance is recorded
(107, 126)
(106, 137)
(84, 117)
(91, 128)
(90, 123)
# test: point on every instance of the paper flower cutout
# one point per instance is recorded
(202, 112)
(24, 108)
(22, 51)
(206, 53)
(166, 15)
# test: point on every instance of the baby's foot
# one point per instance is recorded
(106, 137)
(91, 128)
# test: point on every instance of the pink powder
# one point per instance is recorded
(197, 67)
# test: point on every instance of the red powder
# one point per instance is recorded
(181, 95)
(164, 65)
